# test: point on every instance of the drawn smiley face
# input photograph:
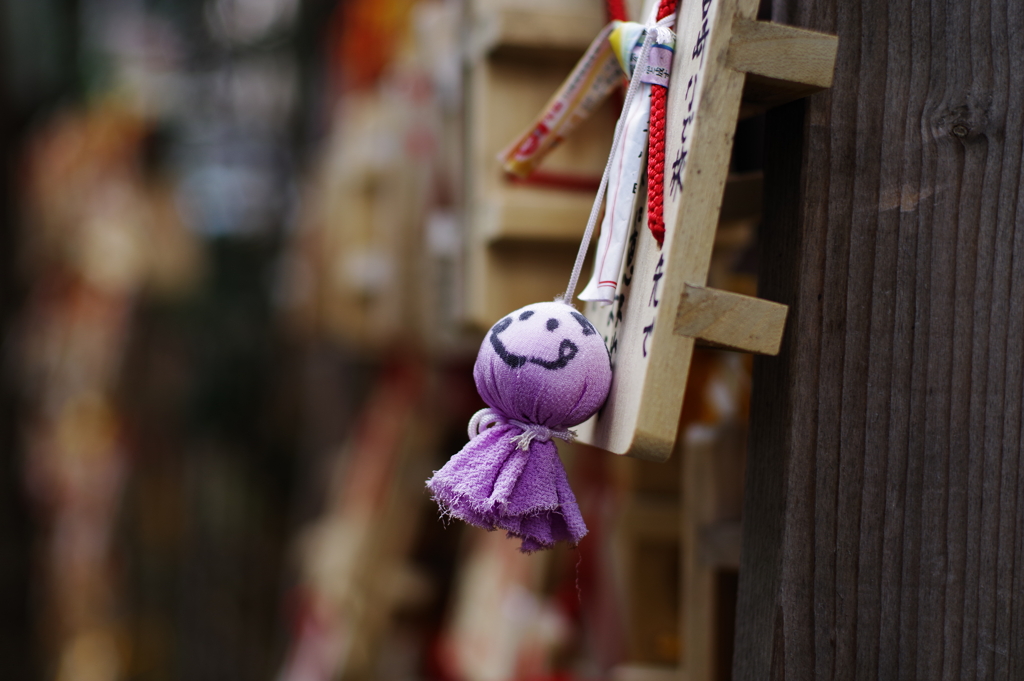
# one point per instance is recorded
(544, 363)
(537, 321)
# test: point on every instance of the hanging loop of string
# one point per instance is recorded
(656, 31)
(482, 420)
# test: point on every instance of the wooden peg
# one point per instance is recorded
(782, 63)
(730, 320)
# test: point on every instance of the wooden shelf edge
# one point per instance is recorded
(530, 30)
(514, 218)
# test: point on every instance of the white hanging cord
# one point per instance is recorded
(652, 32)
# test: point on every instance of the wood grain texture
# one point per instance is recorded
(730, 320)
(883, 532)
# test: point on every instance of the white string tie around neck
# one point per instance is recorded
(486, 418)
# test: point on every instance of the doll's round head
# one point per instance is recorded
(544, 363)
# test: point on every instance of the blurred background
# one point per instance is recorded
(248, 250)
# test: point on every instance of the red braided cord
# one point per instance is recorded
(656, 149)
(656, 165)
(667, 7)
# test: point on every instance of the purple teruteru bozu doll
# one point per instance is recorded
(542, 369)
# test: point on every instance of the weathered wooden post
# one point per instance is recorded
(884, 518)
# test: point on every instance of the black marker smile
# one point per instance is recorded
(510, 358)
(566, 350)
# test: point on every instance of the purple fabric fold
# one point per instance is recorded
(492, 483)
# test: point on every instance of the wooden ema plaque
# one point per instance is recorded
(726, 64)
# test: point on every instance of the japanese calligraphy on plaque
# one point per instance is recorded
(662, 306)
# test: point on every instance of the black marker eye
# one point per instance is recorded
(588, 328)
(552, 324)
(526, 315)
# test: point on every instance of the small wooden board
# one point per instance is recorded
(663, 306)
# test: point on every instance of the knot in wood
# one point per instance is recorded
(971, 121)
